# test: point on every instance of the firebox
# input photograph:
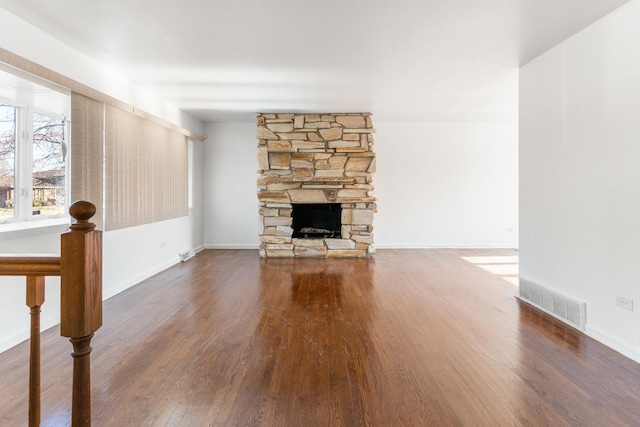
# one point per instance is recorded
(317, 220)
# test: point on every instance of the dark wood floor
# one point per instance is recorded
(412, 338)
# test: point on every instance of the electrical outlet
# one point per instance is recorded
(624, 302)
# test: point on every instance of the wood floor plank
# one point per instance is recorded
(429, 337)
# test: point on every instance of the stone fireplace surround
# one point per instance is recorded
(316, 158)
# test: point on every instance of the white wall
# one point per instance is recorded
(196, 206)
(446, 184)
(231, 201)
(438, 185)
(130, 255)
(580, 173)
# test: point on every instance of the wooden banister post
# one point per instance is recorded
(81, 301)
(35, 299)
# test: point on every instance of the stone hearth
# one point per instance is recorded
(316, 158)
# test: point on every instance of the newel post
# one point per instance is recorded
(81, 301)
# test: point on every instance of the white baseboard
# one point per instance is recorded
(234, 246)
(48, 320)
(13, 340)
(621, 347)
(438, 246)
(377, 246)
(120, 287)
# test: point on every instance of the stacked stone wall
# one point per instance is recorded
(316, 158)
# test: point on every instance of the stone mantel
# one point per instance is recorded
(316, 158)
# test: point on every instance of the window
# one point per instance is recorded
(34, 131)
(32, 163)
(49, 152)
(8, 130)
(131, 165)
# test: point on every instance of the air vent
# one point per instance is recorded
(569, 310)
(186, 255)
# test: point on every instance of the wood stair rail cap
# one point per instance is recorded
(82, 212)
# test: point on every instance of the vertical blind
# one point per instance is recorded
(144, 171)
(86, 153)
(170, 167)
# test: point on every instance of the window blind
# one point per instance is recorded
(146, 171)
(170, 166)
(86, 153)
(132, 165)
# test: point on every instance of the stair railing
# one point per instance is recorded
(80, 269)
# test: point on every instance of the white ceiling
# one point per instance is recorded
(403, 60)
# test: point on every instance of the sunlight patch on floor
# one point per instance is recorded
(493, 259)
(504, 266)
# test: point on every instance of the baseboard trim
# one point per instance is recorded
(430, 246)
(378, 246)
(13, 340)
(613, 343)
(241, 246)
(47, 321)
(115, 290)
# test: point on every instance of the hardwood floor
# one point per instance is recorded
(411, 338)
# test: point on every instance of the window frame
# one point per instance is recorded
(66, 139)
(23, 217)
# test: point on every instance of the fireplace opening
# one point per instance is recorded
(317, 220)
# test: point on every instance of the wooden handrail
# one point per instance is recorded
(80, 271)
(29, 265)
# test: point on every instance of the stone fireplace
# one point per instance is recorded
(315, 186)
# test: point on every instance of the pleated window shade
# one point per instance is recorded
(86, 153)
(132, 165)
(170, 174)
(170, 179)
(146, 171)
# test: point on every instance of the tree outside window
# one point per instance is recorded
(48, 165)
(7, 160)
(39, 157)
